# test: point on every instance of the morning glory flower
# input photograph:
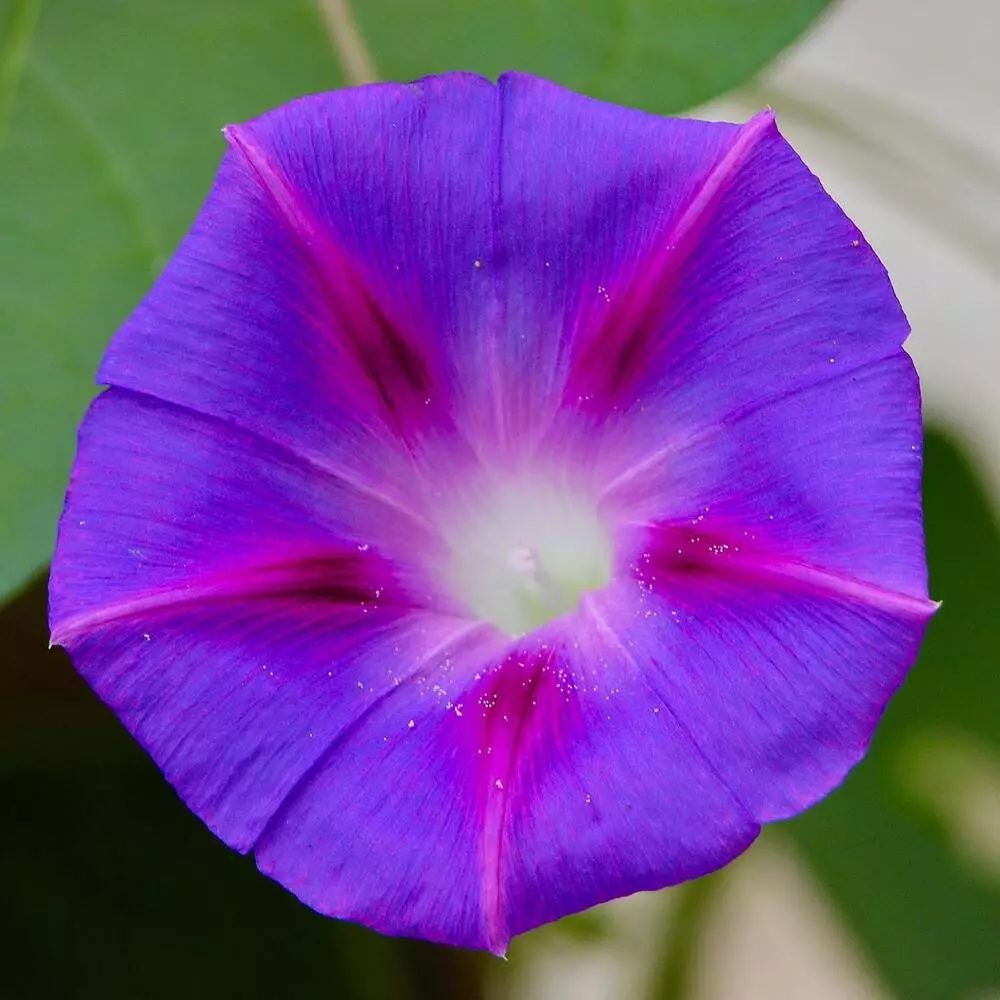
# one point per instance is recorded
(502, 502)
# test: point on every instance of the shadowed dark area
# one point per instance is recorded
(105, 867)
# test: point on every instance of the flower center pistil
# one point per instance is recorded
(539, 596)
(525, 554)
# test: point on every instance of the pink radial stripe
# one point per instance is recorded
(781, 671)
(169, 505)
(395, 367)
(621, 343)
(675, 552)
(597, 756)
(347, 580)
(508, 699)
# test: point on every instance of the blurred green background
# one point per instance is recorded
(110, 112)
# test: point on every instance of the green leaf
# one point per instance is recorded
(663, 55)
(110, 119)
(927, 914)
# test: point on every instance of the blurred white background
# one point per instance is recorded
(896, 105)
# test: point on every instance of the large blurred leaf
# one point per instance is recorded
(929, 920)
(110, 113)
(664, 55)
(110, 118)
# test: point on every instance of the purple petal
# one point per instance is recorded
(214, 591)
(606, 789)
(758, 280)
(244, 701)
(515, 797)
(382, 230)
(306, 303)
(782, 671)
(828, 474)
(600, 189)
(396, 298)
(775, 396)
(167, 506)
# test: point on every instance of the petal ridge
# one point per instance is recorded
(674, 445)
(499, 790)
(612, 354)
(784, 688)
(677, 550)
(315, 461)
(604, 629)
(339, 577)
(337, 742)
(397, 369)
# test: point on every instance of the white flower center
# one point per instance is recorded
(522, 555)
